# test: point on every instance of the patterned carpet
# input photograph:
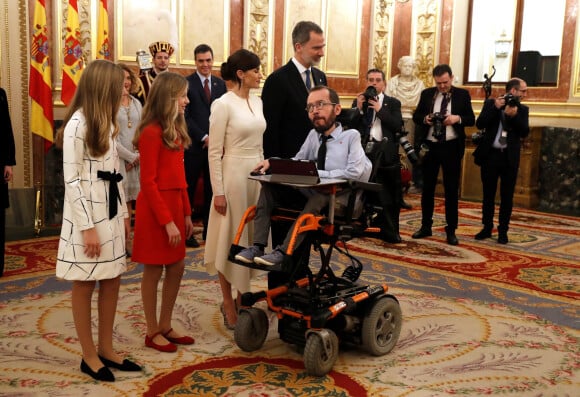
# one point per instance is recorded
(479, 319)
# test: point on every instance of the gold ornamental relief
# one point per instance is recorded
(427, 16)
(258, 34)
(381, 35)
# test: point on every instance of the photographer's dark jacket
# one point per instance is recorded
(460, 105)
(391, 122)
(7, 148)
(517, 127)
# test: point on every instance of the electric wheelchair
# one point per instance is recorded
(317, 309)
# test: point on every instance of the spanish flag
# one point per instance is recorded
(40, 84)
(73, 54)
(103, 49)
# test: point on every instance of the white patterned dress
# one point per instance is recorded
(86, 205)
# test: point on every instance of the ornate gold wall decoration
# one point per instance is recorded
(258, 34)
(382, 23)
(26, 138)
(427, 12)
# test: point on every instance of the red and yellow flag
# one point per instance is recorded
(40, 83)
(103, 49)
(73, 53)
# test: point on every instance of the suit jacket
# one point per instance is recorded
(7, 148)
(391, 122)
(460, 105)
(198, 110)
(161, 169)
(284, 96)
(517, 127)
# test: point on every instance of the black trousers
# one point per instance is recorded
(196, 164)
(447, 156)
(3, 238)
(497, 167)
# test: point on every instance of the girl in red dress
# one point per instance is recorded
(162, 213)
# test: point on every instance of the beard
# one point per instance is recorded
(325, 126)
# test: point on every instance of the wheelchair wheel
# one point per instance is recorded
(382, 326)
(251, 329)
(320, 353)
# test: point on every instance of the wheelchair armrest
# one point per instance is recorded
(367, 186)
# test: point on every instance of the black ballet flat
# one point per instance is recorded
(103, 374)
(126, 365)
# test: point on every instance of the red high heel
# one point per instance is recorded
(182, 340)
(168, 348)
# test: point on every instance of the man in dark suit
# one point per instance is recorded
(440, 119)
(505, 121)
(7, 160)
(286, 89)
(203, 90)
(381, 121)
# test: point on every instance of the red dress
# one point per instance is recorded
(163, 198)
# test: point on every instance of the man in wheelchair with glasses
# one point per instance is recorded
(339, 155)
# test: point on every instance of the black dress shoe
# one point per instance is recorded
(483, 234)
(127, 365)
(406, 205)
(423, 232)
(392, 238)
(192, 242)
(103, 374)
(452, 238)
(502, 238)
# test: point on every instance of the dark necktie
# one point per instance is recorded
(206, 90)
(308, 83)
(443, 111)
(321, 158)
(444, 103)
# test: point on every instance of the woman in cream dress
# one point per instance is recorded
(235, 147)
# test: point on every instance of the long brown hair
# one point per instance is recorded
(98, 95)
(161, 108)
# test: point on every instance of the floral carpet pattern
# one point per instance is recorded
(479, 319)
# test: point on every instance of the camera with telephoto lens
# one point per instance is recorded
(438, 127)
(511, 100)
(477, 136)
(407, 147)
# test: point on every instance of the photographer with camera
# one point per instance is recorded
(381, 121)
(505, 121)
(440, 119)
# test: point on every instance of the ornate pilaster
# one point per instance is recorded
(381, 48)
(259, 32)
(426, 38)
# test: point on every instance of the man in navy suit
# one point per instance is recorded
(440, 119)
(506, 122)
(203, 90)
(286, 90)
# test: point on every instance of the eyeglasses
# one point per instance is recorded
(318, 105)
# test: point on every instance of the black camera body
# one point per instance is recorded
(511, 100)
(370, 93)
(477, 137)
(438, 127)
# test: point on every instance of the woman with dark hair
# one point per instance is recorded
(236, 127)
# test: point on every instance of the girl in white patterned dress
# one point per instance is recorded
(92, 240)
